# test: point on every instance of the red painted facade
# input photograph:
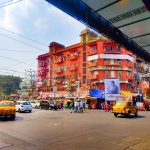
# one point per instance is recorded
(85, 65)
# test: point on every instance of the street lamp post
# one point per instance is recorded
(54, 89)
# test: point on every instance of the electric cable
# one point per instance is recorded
(12, 50)
(22, 42)
(1, 68)
(6, 2)
(11, 3)
(14, 60)
(23, 36)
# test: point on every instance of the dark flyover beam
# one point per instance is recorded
(107, 6)
(82, 12)
(134, 22)
(146, 46)
(142, 35)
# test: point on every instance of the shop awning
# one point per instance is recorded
(97, 93)
(124, 93)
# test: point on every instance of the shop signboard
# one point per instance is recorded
(112, 89)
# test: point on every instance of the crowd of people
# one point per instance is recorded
(78, 106)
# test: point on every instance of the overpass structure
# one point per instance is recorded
(127, 22)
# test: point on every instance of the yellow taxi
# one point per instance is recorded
(7, 109)
(124, 107)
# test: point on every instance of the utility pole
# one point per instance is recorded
(32, 77)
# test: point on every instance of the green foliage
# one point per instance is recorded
(9, 84)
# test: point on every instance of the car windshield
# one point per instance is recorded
(25, 103)
(6, 104)
(120, 104)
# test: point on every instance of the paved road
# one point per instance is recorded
(92, 130)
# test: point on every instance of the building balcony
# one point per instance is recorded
(59, 71)
(42, 65)
(94, 77)
(59, 59)
(93, 64)
(73, 56)
(129, 65)
(42, 73)
(90, 52)
(113, 64)
(73, 68)
(113, 52)
(59, 81)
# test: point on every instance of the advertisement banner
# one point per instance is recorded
(112, 89)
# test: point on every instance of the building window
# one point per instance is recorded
(84, 79)
(128, 73)
(106, 61)
(112, 74)
(128, 61)
(65, 68)
(84, 70)
(84, 57)
(93, 50)
(84, 47)
(106, 73)
(111, 48)
(106, 48)
(118, 48)
(119, 73)
(112, 62)
(84, 65)
(84, 38)
(50, 82)
(118, 61)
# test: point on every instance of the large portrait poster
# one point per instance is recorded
(112, 89)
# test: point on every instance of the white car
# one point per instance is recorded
(23, 106)
(35, 103)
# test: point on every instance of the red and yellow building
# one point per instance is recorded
(85, 65)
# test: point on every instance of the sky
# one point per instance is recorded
(39, 21)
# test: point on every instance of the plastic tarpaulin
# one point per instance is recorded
(97, 93)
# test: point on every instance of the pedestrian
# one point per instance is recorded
(83, 104)
(55, 105)
(143, 107)
(72, 106)
(80, 106)
(106, 107)
(62, 104)
(75, 106)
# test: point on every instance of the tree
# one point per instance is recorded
(9, 84)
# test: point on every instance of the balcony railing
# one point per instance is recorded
(129, 65)
(42, 64)
(92, 64)
(73, 56)
(59, 59)
(42, 74)
(59, 71)
(59, 81)
(92, 50)
(73, 68)
(94, 77)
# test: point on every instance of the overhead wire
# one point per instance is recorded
(12, 50)
(21, 35)
(1, 68)
(11, 3)
(22, 42)
(6, 2)
(14, 60)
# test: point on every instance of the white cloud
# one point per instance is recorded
(13, 12)
(63, 17)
